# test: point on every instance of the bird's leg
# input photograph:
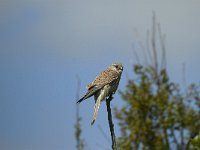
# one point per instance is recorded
(110, 97)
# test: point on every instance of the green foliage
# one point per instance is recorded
(78, 131)
(156, 114)
(196, 142)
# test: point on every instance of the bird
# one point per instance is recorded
(103, 86)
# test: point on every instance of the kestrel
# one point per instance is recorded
(104, 85)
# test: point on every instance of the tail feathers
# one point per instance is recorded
(89, 93)
(80, 100)
(96, 108)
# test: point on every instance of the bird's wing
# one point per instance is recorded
(91, 91)
(104, 78)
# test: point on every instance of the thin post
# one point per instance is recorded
(111, 125)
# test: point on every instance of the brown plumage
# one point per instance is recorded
(103, 86)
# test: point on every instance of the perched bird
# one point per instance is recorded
(104, 85)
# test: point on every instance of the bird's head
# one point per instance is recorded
(117, 67)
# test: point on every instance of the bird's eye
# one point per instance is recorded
(117, 66)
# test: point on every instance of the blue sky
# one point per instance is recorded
(45, 45)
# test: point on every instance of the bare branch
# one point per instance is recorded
(135, 54)
(104, 134)
(163, 47)
(148, 49)
(77, 95)
(111, 125)
(153, 43)
(78, 130)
